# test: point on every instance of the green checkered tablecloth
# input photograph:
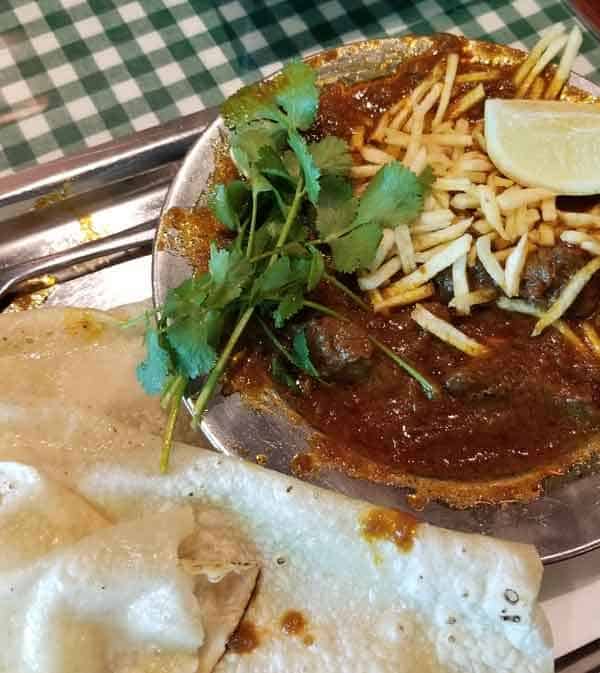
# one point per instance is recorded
(89, 71)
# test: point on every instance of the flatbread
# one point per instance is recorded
(443, 601)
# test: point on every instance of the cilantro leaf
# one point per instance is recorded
(394, 195)
(331, 155)
(331, 220)
(187, 297)
(309, 169)
(297, 94)
(229, 201)
(315, 270)
(301, 354)
(280, 373)
(293, 89)
(356, 249)
(153, 372)
(270, 164)
(230, 272)
(195, 342)
(248, 140)
(288, 307)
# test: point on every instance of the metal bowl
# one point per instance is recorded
(563, 523)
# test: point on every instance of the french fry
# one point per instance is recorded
(373, 155)
(385, 247)
(451, 68)
(397, 138)
(446, 332)
(443, 198)
(535, 54)
(514, 197)
(592, 338)
(432, 221)
(440, 261)
(489, 205)
(401, 116)
(549, 213)
(464, 201)
(434, 238)
(426, 255)
(376, 298)
(472, 256)
(381, 125)
(429, 101)
(357, 139)
(551, 51)
(489, 262)
(505, 183)
(567, 296)
(460, 284)
(419, 163)
(414, 145)
(478, 76)
(521, 225)
(583, 220)
(480, 139)
(483, 296)
(482, 227)
(514, 267)
(566, 63)
(448, 139)
(364, 171)
(537, 88)
(476, 177)
(546, 235)
(405, 298)
(404, 246)
(467, 164)
(467, 101)
(373, 280)
(521, 306)
(452, 184)
(583, 240)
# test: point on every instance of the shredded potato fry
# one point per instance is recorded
(483, 296)
(489, 262)
(404, 246)
(460, 283)
(374, 155)
(583, 220)
(551, 51)
(549, 213)
(467, 101)
(515, 197)
(521, 306)
(357, 139)
(583, 240)
(536, 52)
(405, 298)
(514, 267)
(446, 332)
(567, 296)
(566, 63)
(433, 238)
(364, 171)
(490, 209)
(592, 337)
(440, 261)
(373, 280)
(385, 248)
(449, 77)
(479, 76)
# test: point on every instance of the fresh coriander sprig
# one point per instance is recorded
(294, 198)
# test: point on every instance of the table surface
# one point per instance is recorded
(83, 72)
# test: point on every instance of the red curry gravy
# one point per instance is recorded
(550, 403)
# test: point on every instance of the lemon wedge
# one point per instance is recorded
(549, 144)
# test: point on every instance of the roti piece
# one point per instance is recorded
(343, 585)
(80, 593)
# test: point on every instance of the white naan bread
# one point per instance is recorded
(451, 603)
(78, 593)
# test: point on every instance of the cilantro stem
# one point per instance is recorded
(177, 389)
(431, 390)
(217, 371)
(291, 216)
(347, 291)
(250, 244)
(324, 309)
(275, 341)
